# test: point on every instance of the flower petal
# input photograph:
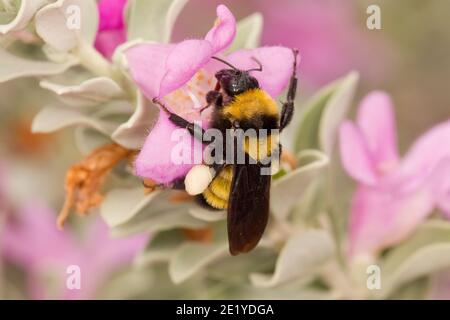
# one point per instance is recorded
(376, 120)
(426, 153)
(33, 237)
(224, 30)
(355, 157)
(111, 14)
(168, 152)
(107, 41)
(160, 69)
(380, 218)
(277, 65)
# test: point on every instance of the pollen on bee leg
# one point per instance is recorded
(85, 179)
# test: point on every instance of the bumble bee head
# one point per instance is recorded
(234, 81)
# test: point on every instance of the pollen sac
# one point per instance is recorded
(198, 179)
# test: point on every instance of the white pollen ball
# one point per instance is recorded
(198, 179)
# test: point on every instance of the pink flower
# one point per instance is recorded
(393, 195)
(181, 74)
(32, 241)
(111, 32)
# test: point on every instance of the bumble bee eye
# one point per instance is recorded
(253, 83)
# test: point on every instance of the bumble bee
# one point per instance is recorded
(240, 188)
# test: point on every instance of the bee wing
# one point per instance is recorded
(248, 207)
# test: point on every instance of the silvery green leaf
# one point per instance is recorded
(193, 257)
(323, 113)
(153, 20)
(87, 93)
(311, 202)
(288, 190)
(52, 119)
(128, 284)
(113, 114)
(248, 33)
(301, 256)
(208, 215)
(24, 13)
(64, 24)
(160, 248)
(105, 121)
(295, 290)
(236, 269)
(336, 110)
(419, 289)
(132, 133)
(12, 67)
(120, 205)
(87, 139)
(426, 252)
(159, 214)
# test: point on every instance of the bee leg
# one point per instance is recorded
(178, 184)
(287, 110)
(213, 98)
(195, 130)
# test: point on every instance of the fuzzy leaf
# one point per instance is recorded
(159, 214)
(120, 205)
(208, 215)
(87, 139)
(323, 113)
(248, 33)
(153, 20)
(12, 67)
(161, 248)
(87, 93)
(64, 24)
(287, 190)
(132, 133)
(302, 255)
(52, 119)
(23, 16)
(336, 110)
(426, 252)
(191, 258)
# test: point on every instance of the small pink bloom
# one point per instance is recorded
(393, 195)
(181, 74)
(111, 32)
(32, 241)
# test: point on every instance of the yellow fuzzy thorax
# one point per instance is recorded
(249, 103)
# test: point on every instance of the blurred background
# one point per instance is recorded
(409, 58)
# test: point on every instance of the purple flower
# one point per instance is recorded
(180, 75)
(31, 241)
(393, 195)
(111, 32)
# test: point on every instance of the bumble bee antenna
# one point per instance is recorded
(260, 68)
(225, 62)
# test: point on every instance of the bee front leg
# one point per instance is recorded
(195, 130)
(287, 110)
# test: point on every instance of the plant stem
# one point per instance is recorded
(92, 60)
